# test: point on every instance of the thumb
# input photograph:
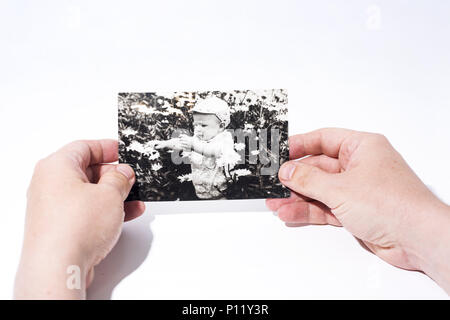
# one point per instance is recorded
(312, 182)
(121, 177)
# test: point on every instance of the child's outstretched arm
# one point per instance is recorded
(202, 147)
(173, 144)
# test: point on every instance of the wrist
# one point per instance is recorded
(51, 271)
(428, 243)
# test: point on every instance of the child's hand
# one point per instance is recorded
(172, 144)
(75, 213)
(153, 144)
(158, 144)
(186, 142)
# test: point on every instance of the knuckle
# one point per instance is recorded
(74, 145)
(40, 164)
(77, 143)
(380, 138)
(375, 139)
(113, 191)
(120, 182)
(303, 175)
(121, 178)
(44, 163)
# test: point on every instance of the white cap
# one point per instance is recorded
(214, 106)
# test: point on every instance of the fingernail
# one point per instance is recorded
(275, 213)
(125, 170)
(286, 171)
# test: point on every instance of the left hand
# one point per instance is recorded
(74, 217)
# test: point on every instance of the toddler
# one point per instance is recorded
(211, 149)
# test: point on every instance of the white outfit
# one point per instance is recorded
(209, 173)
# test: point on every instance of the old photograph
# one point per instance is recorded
(204, 145)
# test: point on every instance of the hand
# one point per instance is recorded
(186, 142)
(153, 144)
(173, 144)
(158, 144)
(74, 216)
(357, 180)
(166, 144)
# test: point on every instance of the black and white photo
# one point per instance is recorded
(204, 145)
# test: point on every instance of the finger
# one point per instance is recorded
(312, 182)
(133, 209)
(307, 213)
(296, 225)
(323, 162)
(95, 171)
(89, 152)
(323, 141)
(274, 204)
(121, 179)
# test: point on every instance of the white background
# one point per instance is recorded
(379, 66)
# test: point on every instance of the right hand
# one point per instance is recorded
(359, 181)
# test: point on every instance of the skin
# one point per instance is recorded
(206, 126)
(359, 181)
(75, 207)
(75, 213)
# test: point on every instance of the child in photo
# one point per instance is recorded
(210, 149)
